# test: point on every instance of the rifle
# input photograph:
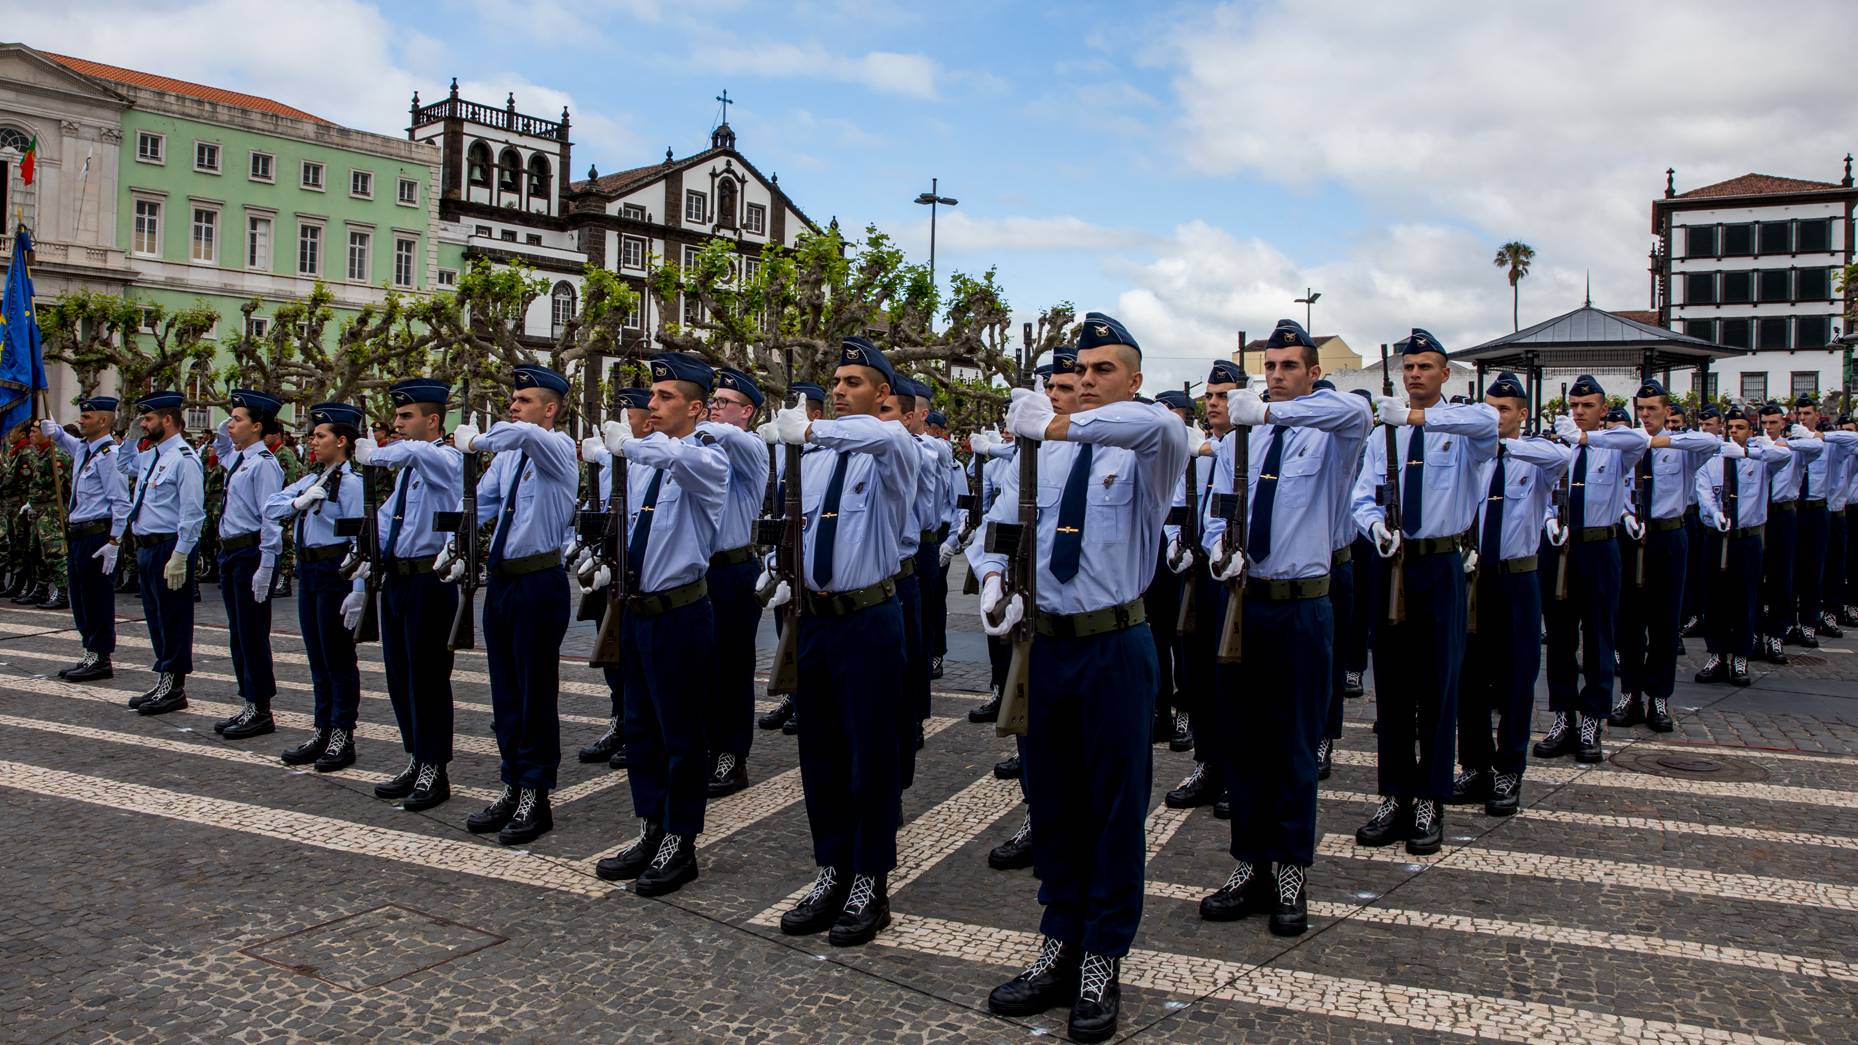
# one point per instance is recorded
(589, 533)
(464, 626)
(790, 565)
(1189, 522)
(1472, 541)
(1642, 507)
(1019, 542)
(1563, 508)
(1387, 494)
(1730, 497)
(1237, 509)
(612, 545)
(972, 503)
(367, 548)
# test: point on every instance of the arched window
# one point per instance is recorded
(509, 171)
(477, 165)
(725, 203)
(15, 139)
(538, 177)
(562, 302)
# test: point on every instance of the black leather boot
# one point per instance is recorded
(1200, 788)
(340, 754)
(1325, 758)
(430, 788)
(1506, 792)
(987, 712)
(674, 866)
(1715, 669)
(531, 819)
(1470, 787)
(866, 913)
(310, 750)
(1560, 739)
(1590, 750)
(1242, 894)
(95, 667)
(1658, 718)
(1007, 768)
(1628, 711)
(253, 721)
(729, 775)
(1428, 831)
(778, 717)
(1016, 852)
(1291, 916)
(820, 907)
(608, 742)
(1099, 999)
(1389, 824)
(1050, 981)
(1183, 739)
(399, 785)
(493, 816)
(632, 860)
(169, 694)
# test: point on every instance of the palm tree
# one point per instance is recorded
(1516, 257)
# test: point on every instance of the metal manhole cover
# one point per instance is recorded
(359, 952)
(1702, 764)
(1806, 660)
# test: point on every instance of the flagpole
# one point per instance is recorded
(58, 485)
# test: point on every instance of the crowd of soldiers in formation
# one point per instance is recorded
(1212, 578)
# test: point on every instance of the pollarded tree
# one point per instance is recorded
(146, 344)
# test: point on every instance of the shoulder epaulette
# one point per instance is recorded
(706, 439)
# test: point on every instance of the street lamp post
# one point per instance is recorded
(1309, 307)
(931, 200)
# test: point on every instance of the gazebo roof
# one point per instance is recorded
(1591, 339)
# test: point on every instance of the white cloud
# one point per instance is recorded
(958, 232)
(888, 72)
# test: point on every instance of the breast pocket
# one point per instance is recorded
(1442, 462)
(1296, 480)
(1107, 509)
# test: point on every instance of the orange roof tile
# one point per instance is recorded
(1752, 184)
(1648, 317)
(117, 74)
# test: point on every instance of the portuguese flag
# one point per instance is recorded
(30, 160)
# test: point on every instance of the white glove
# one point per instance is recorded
(261, 583)
(1178, 559)
(306, 500)
(581, 561)
(175, 572)
(362, 569)
(601, 577)
(352, 604)
(981, 442)
(1799, 432)
(949, 549)
(1392, 410)
(364, 450)
(1386, 542)
(448, 566)
(1470, 562)
(464, 435)
(769, 433)
(616, 434)
(1721, 522)
(781, 592)
(790, 422)
(1196, 441)
(50, 428)
(108, 554)
(591, 446)
(1029, 413)
(1245, 407)
(1235, 567)
(1557, 534)
(990, 600)
(1634, 528)
(1569, 432)
(1733, 450)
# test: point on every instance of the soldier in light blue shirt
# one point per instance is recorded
(1106, 475)
(248, 554)
(1442, 451)
(1733, 503)
(1788, 516)
(97, 513)
(785, 717)
(635, 405)
(166, 515)
(677, 486)
(416, 608)
(1817, 478)
(529, 489)
(1503, 657)
(729, 718)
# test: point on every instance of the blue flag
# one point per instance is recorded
(22, 364)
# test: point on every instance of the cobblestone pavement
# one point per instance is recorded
(164, 884)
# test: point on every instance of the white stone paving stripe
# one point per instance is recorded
(424, 851)
(1422, 1009)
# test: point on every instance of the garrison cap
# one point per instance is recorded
(531, 375)
(1804, 400)
(104, 403)
(1845, 419)
(1289, 332)
(1420, 341)
(1325, 384)
(634, 398)
(1101, 328)
(419, 390)
(1585, 385)
(336, 414)
(1225, 372)
(809, 390)
(1708, 412)
(1617, 413)
(1065, 362)
(1677, 409)
(858, 351)
(1144, 400)
(1771, 409)
(261, 405)
(1042, 370)
(1174, 398)
(1651, 387)
(937, 418)
(1506, 386)
(678, 366)
(163, 400)
(737, 381)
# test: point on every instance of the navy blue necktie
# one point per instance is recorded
(393, 524)
(642, 530)
(141, 491)
(1413, 482)
(1491, 546)
(1577, 490)
(829, 525)
(509, 513)
(1068, 543)
(1259, 539)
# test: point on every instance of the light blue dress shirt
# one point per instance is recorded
(542, 519)
(1762, 462)
(431, 475)
(1531, 468)
(1672, 466)
(98, 486)
(1838, 449)
(1460, 440)
(875, 502)
(175, 501)
(1784, 484)
(688, 514)
(252, 476)
(748, 483)
(316, 527)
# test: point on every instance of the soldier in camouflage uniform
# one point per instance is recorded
(215, 487)
(285, 451)
(49, 493)
(15, 487)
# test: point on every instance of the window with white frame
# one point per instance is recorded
(258, 327)
(312, 175)
(690, 256)
(751, 267)
(561, 306)
(197, 414)
(696, 205)
(403, 261)
(361, 184)
(258, 241)
(448, 278)
(632, 252)
(692, 310)
(1802, 382)
(632, 212)
(263, 167)
(149, 147)
(206, 157)
(309, 250)
(146, 239)
(632, 319)
(1755, 388)
(205, 240)
(756, 219)
(359, 242)
(481, 230)
(408, 192)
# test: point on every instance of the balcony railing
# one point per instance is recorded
(504, 118)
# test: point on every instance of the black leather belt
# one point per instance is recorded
(732, 557)
(528, 564)
(238, 542)
(906, 568)
(1746, 531)
(156, 538)
(1676, 522)
(1815, 502)
(88, 528)
(1340, 556)
(1520, 564)
(926, 538)
(1782, 506)
(1590, 534)
(1421, 546)
(659, 603)
(323, 552)
(845, 603)
(407, 567)
(1093, 622)
(1295, 590)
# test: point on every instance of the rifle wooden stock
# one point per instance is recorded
(1390, 506)
(606, 650)
(1231, 648)
(790, 563)
(1022, 573)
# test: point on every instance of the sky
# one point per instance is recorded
(1190, 168)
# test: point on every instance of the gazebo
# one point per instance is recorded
(1588, 339)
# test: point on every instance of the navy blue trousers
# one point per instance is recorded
(525, 619)
(330, 647)
(1585, 622)
(1088, 773)
(1651, 616)
(1353, 635)
(249, 623)
(850, 704)
(914, 707)
(932, 578)
(1201, 691)
(1500, 666)
(169, 612)
(1416, 666)
(1731, 609)
(1342, 607)
(93, 599)
(1694, 575)
(416, 626)
(1162, 604)
(1832, 594)
(729, 719)
(1271, 725)
(1777, 581)
(666, 761)
(1810, 562)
